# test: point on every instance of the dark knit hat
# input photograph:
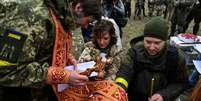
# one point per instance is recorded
(157, 27)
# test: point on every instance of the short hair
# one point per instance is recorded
(102, 26)
(90, 7)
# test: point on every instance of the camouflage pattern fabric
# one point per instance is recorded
(90, 53)
(30, 18)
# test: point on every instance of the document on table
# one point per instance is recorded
(197, 64)
(80, 67)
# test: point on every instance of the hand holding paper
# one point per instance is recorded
(80, 67)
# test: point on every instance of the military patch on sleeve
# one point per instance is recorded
(11, 44)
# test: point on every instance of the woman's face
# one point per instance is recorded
(153, 45)
(104, 40)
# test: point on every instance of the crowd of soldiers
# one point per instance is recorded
(179, 12)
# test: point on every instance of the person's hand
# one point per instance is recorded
(109, 61)
(74, 63)
(77, 79)
(85, 58)
(71, 59)
(101, 74)
(156, 97)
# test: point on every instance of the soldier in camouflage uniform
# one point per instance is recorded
(180, 12)
(30, 68)
(139, 6)
(127, 4)
(169, 9)
(27, 37)
(107, 49)
(156, 7)
(194, 14)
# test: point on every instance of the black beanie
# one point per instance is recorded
(157, 27)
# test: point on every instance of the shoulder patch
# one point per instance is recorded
(11, 44)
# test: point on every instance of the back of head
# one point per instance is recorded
(92, 8)
(157, 27)
(63, 10)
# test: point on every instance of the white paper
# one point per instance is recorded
(103, 57)
(197, 64)
(198, 47)
(80, 67)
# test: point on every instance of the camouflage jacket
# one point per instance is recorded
(25, 24)
(90, 52)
